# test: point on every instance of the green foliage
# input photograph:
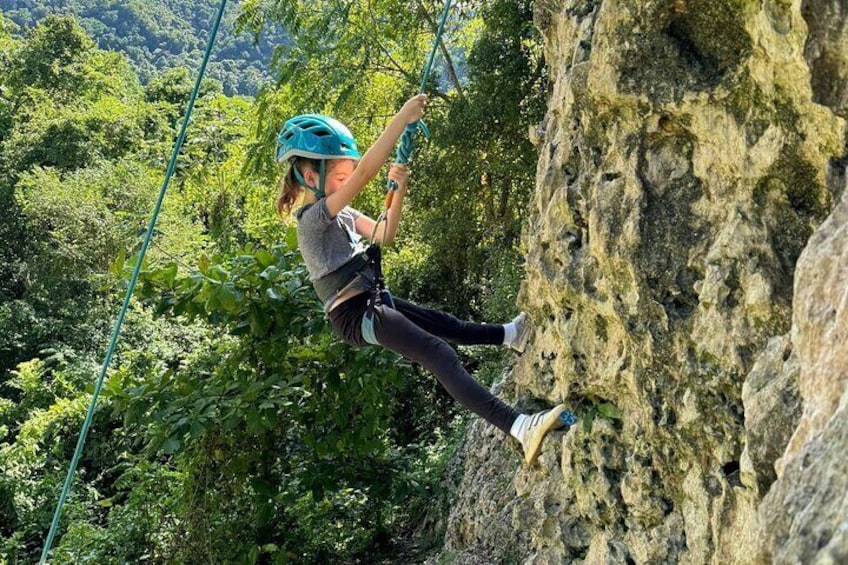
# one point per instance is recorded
(61, 59)
(54, 57)
(36, 385)
(274, 377)
(263, 298)
(335, 44)
(71, 138)
(71, 103)
(173, 88)
(74, 191)
(595, 409)
(32, 474)
(231, 208)
(74, 226)
(163, 34)
(139, 524)
(8, 53)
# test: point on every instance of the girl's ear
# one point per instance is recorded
(311, 178)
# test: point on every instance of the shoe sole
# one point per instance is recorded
(551, 422)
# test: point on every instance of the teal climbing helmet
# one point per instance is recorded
(315, 137)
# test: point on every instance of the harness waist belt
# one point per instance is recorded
(332, 284)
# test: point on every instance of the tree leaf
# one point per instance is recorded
(273, 293)
(587, 421)
(609, 411)
(171, 445)
(264, 258)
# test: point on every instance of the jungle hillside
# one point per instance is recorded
(163, 34)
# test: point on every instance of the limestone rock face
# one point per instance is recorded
(772, 409)
(683, 167)
(804, 517)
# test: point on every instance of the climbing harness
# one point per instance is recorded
(379, 293)
(130, 288)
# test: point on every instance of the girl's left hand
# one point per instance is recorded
(399, 173)
(414, 108)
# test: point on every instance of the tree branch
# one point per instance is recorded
(407, 75)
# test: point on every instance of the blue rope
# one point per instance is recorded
(133, 279)
(406, 144)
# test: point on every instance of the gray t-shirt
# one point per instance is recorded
(327, 243)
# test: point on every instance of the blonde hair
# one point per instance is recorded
(289, 189)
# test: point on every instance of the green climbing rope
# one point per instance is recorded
(406, 143)
(435, 46)
(133, 279)
(405, 147)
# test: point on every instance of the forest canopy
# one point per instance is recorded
(157, 35)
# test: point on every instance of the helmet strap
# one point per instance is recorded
(319, 193)
(321, 179)
(297, 174)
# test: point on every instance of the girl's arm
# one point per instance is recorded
(377, 154)
(365, 225)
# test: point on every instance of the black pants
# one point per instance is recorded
(419, 335)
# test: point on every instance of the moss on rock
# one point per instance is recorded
(682, 45)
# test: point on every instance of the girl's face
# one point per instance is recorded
(338, 171)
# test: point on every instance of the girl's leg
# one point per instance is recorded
(449, 327)
(397, 333)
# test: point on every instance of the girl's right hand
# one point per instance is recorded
(399, 173)
(414, 108)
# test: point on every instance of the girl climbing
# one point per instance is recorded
(326, 169)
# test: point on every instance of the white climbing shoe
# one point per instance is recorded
(536, 428)
(522, 332)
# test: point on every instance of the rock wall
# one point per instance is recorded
(804, 516)
(690, 150)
